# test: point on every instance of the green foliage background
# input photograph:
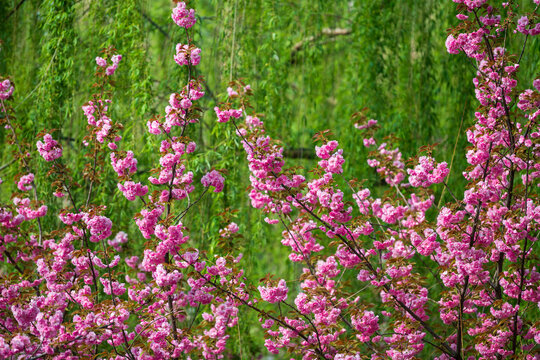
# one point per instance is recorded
(393, 61)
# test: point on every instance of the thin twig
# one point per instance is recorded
(7, 165)
(15, 9)
(453, 155)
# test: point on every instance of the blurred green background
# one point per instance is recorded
(390, 58)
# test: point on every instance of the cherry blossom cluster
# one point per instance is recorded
(124, 166)
(427, 172)
(132, 190)
(186, 55)
(225, 115)
(25, 182)
(6, 89)
(158, 283)
(525, 26)
(49, 148)
(28, 210)
(182, 16)
(103, 125)
(274, 294)
(381, 268)
(178, 111)
(263, 168)
(324, 203)
(213, 178)
(109, 69)
(483, 253)
(77, 284)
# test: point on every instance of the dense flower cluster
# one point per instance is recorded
(427, 173)
(524, 26)
(6, 89)
(274, 294)
(183, 16)
(49, 148)
(186, 55)
(78, 292)
(164, 285)
(473, 241)
(213, 178)
(132, 190)
(225, 115)
(27, 210)
(25, 182)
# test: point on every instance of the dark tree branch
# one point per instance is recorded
(326, 32)
(299, 153)
(7, 165)
(15, 9)
(154, 24)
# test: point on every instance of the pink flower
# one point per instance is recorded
(274, 294)
(6, 89)
(112, 68)
(112, 287)
(132, 190)
(99, 227)
(185, 103)
(148, 221)
(369, 124)
(366, 325)
(334, 163)
(369, 142)
(101, 61)
(116, 59)
(25, 315)
(231, 92)
(49, 149)
(536, 84)
(232, 227)
(120, 238)
(452, 45)
(185, 55)
(213, 178)
(522, 24)
(325, 150)
(427, 172)
(27, 210)
(182, 16)
(124, 166)
(25, 182)
(225, 115)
